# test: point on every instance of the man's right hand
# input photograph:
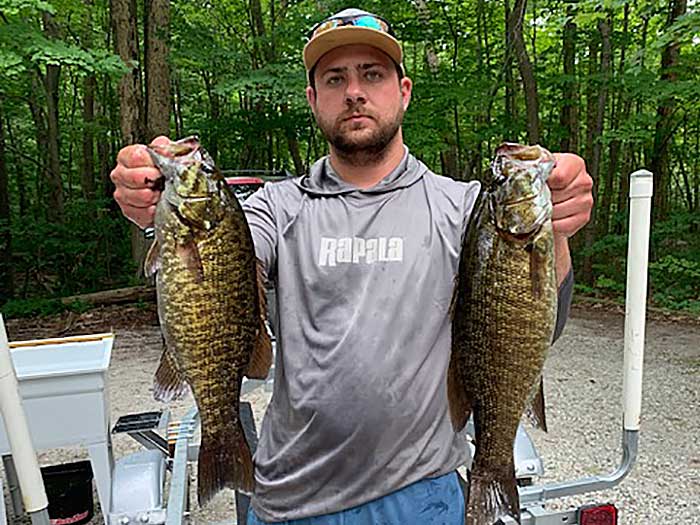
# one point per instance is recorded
(134, 177)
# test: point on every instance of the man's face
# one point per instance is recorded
(358, 101)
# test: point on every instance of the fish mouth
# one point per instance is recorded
(521, 200)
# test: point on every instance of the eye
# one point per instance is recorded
(373, 75)
(333, 80)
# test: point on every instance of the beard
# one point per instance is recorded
(360, 149)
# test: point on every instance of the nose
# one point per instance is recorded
(354, 90)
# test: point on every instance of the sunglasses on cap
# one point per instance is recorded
(369, 21)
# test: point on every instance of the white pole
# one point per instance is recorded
(641, 190)
(28, 472)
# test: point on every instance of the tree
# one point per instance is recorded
(157, 70)
(6, 278)
(527, 74)
(665, 118)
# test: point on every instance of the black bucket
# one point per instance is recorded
(69, 491)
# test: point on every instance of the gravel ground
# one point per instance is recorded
(583, 384)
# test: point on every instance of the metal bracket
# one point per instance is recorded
(540, 493)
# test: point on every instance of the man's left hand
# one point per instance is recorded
(572, 195)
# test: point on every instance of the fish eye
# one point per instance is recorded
(498, 181)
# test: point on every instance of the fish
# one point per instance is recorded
(211, 308)
(503, 312)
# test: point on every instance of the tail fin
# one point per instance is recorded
(492, 497)
(224, 461)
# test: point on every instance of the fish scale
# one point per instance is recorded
(504, 311)
(211, 308)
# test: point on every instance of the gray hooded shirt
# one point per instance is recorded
(364, 281)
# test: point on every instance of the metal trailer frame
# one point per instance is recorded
(127, 509)
(532, 498)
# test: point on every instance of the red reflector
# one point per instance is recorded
(598, 515)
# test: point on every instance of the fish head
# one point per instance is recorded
(521, 202)
(193, 185)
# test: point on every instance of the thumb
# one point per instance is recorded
(160, 141)
(162, 145)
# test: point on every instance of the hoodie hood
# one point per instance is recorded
(322, 179)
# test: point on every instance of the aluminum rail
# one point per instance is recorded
(179, 486)
(641, 190)
(28, 473)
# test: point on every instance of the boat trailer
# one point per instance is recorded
(64, 392)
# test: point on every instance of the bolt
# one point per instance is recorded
(530, 467)
(143, 518)
(124, 520)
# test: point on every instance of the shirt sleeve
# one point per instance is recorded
(564, 297)
(259, 212)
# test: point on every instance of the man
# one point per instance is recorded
(363, 251)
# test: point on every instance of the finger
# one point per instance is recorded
(142, 217)
(568, 168)
(568, 226)
(567, 208)
(161, 141)
(142, 198)
(134, 156)
(136, 178)
(162, 145)
(581, 186)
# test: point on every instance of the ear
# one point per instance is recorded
(406, 89)
(311, 98)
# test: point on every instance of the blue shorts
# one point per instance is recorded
(432, 501)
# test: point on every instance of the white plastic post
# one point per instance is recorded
(28, 472)
(641, 190)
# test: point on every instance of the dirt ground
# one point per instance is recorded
(583, 383)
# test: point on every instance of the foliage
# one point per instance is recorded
(674, 267)
(16, 308)
(88, 252)
(238, 81)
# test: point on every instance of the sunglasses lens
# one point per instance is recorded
(368, 21)
(325, 26)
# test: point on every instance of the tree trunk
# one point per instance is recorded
(87, 171)
(431, 58)
(42, 146)
(23, 197)
(6, 277)
(130, 96)
(604, 209)
(527, 74)
(177, 105)
(214, 113)
(55, 184)
(687, 189)
(293, 144)
(594, 147)
(665, 121)
(508, 66)
(87, 178)
(157, 70)
(569, 110)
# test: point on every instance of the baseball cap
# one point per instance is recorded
(351, 26)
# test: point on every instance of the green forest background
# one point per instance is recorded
(616, 81)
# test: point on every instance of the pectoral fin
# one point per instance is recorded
(261, 359)
(169, 382)
(151, 264)
(189, 255)
(536, 410)
(460, 404)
